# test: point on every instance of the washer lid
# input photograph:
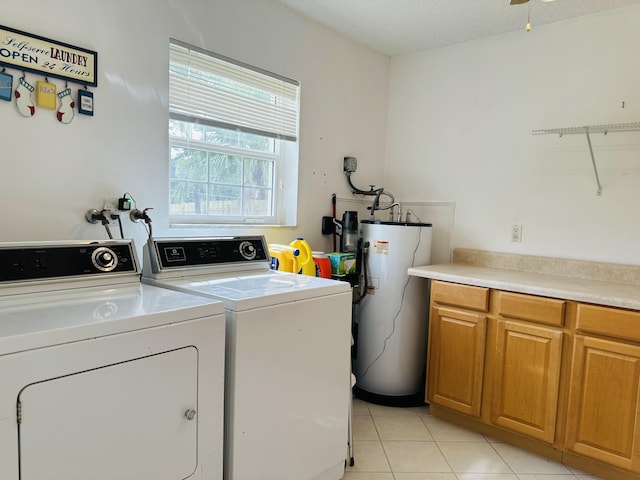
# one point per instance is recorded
(247, 291)
(35, 320)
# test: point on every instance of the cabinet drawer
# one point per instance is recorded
(532, 308)
(466, 296)
(612, 322)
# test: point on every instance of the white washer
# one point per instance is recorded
(288, 355)
(102, 377)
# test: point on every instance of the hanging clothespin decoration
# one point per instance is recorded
(85, 102)
(24, 102)
(66, 113)
(46, 94)
(6, 85)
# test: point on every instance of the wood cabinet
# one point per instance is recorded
(527, 362)
(558, 377)
(457, 359)
(524, 357)
(457, 346)
(526, 379)
(603, 419)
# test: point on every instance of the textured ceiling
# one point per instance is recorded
(395, 27)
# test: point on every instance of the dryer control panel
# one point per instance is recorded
(198, 252)
(57, 260)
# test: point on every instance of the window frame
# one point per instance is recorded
(284, 188)
(275, 157)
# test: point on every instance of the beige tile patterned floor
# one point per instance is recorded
(409, 444)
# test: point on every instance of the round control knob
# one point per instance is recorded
(247, 250)
(190, 414)
(104, 259)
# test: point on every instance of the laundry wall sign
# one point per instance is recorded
(50, 58)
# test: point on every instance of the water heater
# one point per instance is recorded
(391, 347)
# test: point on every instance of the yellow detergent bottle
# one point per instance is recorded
(283, 257)
(306, 265)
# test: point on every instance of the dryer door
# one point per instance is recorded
(130, 420)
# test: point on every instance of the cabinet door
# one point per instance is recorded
(457, 359)
(603, 421)
(124, 421)
(526, 379)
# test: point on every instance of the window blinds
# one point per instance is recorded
(208, 88)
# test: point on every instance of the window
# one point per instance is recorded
(233, 145)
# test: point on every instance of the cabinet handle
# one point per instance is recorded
(190, 414)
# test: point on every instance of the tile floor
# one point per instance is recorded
(409, 444)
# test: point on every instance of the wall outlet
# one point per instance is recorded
(516, 233)
(110, 204)
(112, 212)
(113, 222)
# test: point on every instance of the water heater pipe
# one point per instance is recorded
(371, 192)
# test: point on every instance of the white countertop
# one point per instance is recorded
(555, 286)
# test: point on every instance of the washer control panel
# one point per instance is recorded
(33, 262)
(195, 252)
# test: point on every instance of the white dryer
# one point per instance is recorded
(288, 355)
(102, 377)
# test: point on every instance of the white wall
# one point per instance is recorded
(53, 173)
(460, 122)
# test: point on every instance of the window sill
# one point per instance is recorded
(227, 225)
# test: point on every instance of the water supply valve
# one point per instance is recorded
(95, 216)
(140, 215)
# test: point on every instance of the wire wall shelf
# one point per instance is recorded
(587, 130)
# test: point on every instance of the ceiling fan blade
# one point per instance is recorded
(518, 2)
